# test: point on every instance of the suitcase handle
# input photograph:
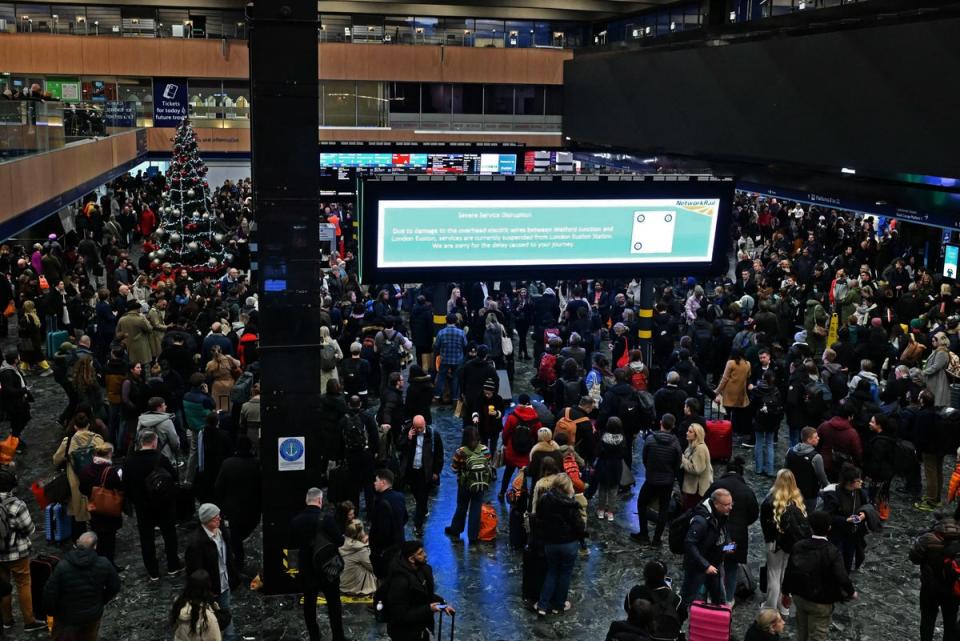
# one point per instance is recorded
(710, 414)
(453, 625)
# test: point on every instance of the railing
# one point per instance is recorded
(30, 127)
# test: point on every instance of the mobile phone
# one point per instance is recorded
(729, 547)
(856, 518)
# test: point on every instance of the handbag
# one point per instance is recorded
(506, 343)
(55, 489)
(103, 501)
(10, 309)
(626, 475)
(498, 458)
(223, 616)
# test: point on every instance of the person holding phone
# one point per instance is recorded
(410, 601)
(849, 506)
(706, 547)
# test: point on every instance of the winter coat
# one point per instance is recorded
(541, 451)
(935, 375)
(768, 405)
(661, 458)
(756, 633)
(357, 578)
(138, 332)
(529, 416)
(431, 458)
(793, 525)
(745, 510)
(220, 371)
(79, 587)
(207, 627)
(421, 327)
(77, 507)
(697, 470)
(807, 467)
(303, 532)
(705, 539)
(840, 504)
(838, 434)
(928, 553)
(162, 424)
(201, 553)
(733, 384)
(878, 460)
(90, 477)
(609, 465)
(236, 491)
(419, 397)
(626, 631)
(409, 594)
(558, 518)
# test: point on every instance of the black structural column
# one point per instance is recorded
(284, 119)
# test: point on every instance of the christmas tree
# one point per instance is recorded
(190, 234)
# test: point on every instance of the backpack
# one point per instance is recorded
(160, 485)
(953, 369)
(569, 426)
(638, 380)
(328, 357)
(80, 457)
(572, 470)
(913, 353)
(547, 370)
(666, 614)
(818, 398)
(476, 471)
(522, 440)
(390, 353)
(630, 414)
(839, 384)
(571, 393)
(351, 376)
(904, 458)
(677, 535)
(951, 568)
(5, 529)
(327, 561)
(354, 434)
(240, 393)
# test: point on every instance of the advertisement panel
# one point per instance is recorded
(169, 101)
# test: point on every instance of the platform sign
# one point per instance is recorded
(291, 453)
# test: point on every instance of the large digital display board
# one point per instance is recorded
(432, 163)
(413, 229)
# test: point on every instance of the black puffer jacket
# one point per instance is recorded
(661, 458)
(816, 573)
(745, 510)
(558, 518)
(705, 539)
(80, 586)
(878, 463)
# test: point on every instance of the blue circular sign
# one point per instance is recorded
(291, 449)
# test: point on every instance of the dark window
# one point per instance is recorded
(554, 100)
(467, 99)
(529, 100)
(498, 100)
(435, 98)
(404, 97)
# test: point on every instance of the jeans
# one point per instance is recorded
(556, 584)
(508, 471)
(647, 494)
(764, 448)
(446, 368)
(330, 591)
(852, 549)
(813, 619)
(229, 633)
(931, 602)
(18, 573)
(794, 435)
(114, 417)
(468, 512)
(730, 570)
(147, 519)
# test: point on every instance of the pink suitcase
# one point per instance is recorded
(709, 622)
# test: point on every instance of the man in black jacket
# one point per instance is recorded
(816, 579)
(669, 398)
(930, 551)
(150, 484)
(705, 546)
(361, 445)
(546, 312)
(208, 548)
(78, 589)
(410, 600)
(389, 519)
(14, 393)
(661, 460)
(421, 461)
(691, 414)
(303, 535)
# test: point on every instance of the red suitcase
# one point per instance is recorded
(709, 622)
(719, 437)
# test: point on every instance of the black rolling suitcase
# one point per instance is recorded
(40, 570)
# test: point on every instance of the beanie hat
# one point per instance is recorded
(490, 384)
(207, 512)
(876, 322)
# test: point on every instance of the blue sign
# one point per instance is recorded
(169, 101)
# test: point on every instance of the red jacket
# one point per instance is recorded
(529, 416)
(147, 221)
(839, 434)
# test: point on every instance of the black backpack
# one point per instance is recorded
(354, 433)
(679, 527)
(630, 413)
(350, 370)
(522, 440)
(160, 485)
(390, 353)
(838, 382)
(327, 561)
(666, 614)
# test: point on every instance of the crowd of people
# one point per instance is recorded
(828, 350)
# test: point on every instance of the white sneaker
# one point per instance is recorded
(600, 515)
(609, 516)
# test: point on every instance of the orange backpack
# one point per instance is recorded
(488, 523)
(572, 470)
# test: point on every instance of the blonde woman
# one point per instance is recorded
(220, 370)
(357, 578)
(325, 341)
(935, 372)
(697, 470)
(783, 517)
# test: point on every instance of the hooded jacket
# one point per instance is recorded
(162, 424)
(409, 593)
(928, 552)
(79, 587)
(528, 415)
(838, 434)
(815, 572)
(807, 466)
(661, 458)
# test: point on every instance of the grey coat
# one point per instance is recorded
(935, 375)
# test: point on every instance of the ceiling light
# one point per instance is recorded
(848, 170)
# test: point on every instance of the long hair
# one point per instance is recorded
(700, 435)
(198, 594)
(785, 492)
(85, 376)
